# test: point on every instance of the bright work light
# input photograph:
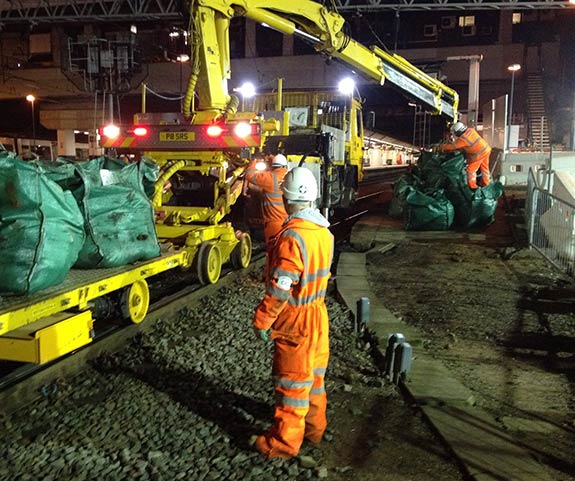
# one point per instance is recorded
(111, 131)
(247, 90)
(346, 86)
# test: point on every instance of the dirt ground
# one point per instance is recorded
(491, 322)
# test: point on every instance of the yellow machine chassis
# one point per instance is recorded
(41, 327)
(208, 242)
(194, 237)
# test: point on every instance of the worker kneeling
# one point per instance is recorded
(294, 309)
(476, 151)
(274, 213)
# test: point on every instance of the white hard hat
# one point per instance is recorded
(279, 161)
(299, 184)
(458, 128)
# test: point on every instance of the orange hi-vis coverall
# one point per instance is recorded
(274, 213)
(294, 308)
(476, 151)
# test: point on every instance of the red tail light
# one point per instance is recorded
(140, 131)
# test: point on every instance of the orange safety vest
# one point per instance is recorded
(303, 252)
(269, 181)
(471, 143)
(294, 308)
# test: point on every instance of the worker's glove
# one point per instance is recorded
(262, 334)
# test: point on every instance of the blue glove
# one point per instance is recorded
(262, 334)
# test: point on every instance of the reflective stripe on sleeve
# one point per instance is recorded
(298, 238)
(283, 273)
(316, 391)
(275, 291)
(319, 371)
(268, 201)
(291, 384)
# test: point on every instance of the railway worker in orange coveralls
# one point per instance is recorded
(294, 315)
(274, 213)
(476, 152)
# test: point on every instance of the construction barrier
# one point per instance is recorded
(551, 226)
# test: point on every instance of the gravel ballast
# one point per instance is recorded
(182, 402)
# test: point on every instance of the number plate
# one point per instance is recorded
(177, 136)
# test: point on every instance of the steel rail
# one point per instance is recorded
(29, 382)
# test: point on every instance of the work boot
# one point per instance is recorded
(263, 446)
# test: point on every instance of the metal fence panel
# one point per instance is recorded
(551, 224)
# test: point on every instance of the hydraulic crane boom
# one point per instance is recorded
(203, 151)
(315, 24)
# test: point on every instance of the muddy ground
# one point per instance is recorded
(490, 321)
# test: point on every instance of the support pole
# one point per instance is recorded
(473, 96)
(279, 99)
(66, 143)
(510, 118)
(473, 101)
(111, 104)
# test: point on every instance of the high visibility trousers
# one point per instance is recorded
(301, 399)
(480, 163)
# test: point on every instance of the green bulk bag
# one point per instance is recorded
(118, 215)
(473, 207)
(401, 189)
(431, 174)
(456, 189)
(428, 212)
(454, 168)
(479, 211)
(149, 171)
(41, 228)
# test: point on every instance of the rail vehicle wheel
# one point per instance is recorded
(242, 253)
(209, 265)
(135, 301)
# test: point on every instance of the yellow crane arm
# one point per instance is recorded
(324, 29)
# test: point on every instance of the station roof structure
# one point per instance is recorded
(58, 11)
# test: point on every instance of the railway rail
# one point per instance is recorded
(169, 291)
(171, 287)
(181, 400)
(197, 368)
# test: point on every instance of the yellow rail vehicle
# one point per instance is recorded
(41, 327)
(204, 150)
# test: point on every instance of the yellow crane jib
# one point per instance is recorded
(324, 29)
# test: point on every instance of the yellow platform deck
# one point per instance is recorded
(80, 287)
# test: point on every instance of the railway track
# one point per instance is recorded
(375, 189)
(180, 402)
(168, 291)
(383, 175)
